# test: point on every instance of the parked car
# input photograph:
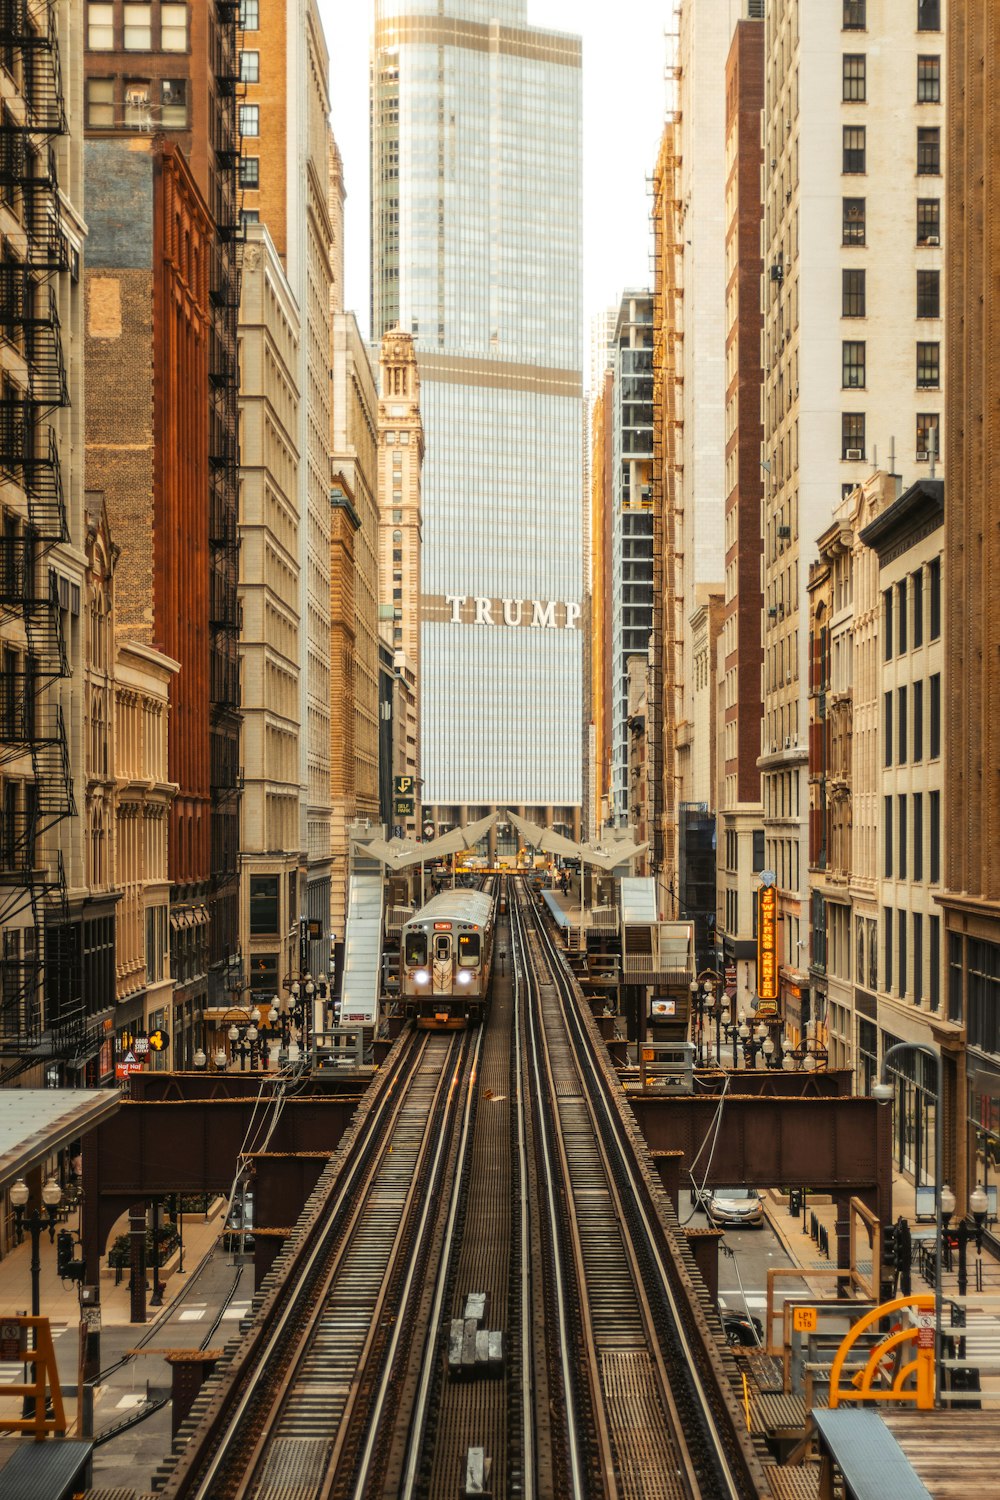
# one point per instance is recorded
(742, 1330)
(734, 1207)
(237, 1234)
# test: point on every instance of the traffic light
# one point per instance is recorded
(890, 1246)
(69, 1269)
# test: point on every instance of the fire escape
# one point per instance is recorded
(224, 616)
(35, 773)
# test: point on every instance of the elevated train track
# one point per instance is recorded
(500, 1160)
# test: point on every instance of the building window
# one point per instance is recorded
(101, 103)
(263, 905)
(853, 293)
(901, 615)
(249, 119)
(928, 435)
(928, 366)
(854, 78)
(928, 151)
(935, 734)
(887, 837)
(901, 816)
(918, 719)
(928, 221)
(928, 80)
(250, 172)
(901, 924)
(758, 850)
(854, 148)
(928, 294)
(100, 27)
(917, 595)
(853, 363)
(249, 216)
(854, 15)
(173, 27)
(887, 947)
(854, 221)
(901, 725)
(918, 835)
(935, 575)
(249, 15)
(887, 728)
(173, 103)
(249, 66)
(934, 986)
(138, 26)
(918, 957)
(852, 435)
(934, 817)
(928, 15)
(887, 624)
(955, 956)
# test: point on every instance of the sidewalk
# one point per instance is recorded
(59, 1301)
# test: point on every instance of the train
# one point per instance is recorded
(446, 954)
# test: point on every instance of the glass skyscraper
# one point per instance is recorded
(476, 244)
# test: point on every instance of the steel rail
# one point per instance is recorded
(566, 1353)
(198, 1473)
(524, 1246)
(723, 1482)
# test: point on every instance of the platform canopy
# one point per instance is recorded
(35, 1123)
(400, 854)
(608, 852)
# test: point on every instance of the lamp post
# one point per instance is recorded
(35, 1225)
(885, 1092)
(244, 1037)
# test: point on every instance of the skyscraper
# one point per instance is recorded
(476, 121)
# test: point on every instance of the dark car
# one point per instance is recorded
(742, 1331)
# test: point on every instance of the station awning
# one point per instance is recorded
(607, 853)
(36, 1122)
(400, 854)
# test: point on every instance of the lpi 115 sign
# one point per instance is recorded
(767, 944)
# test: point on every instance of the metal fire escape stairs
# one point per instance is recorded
(32, 728)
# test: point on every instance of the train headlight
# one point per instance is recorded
(464, 977)
(421, 976)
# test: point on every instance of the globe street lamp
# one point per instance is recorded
(35, 1224)
(885, 1092)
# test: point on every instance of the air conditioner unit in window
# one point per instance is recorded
(932, 239)
(777, 272)
(922, 456)
(788, 742)
(854, 454)
(784, 531)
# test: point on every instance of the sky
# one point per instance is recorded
(624, 53)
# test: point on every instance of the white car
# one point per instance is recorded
(734, 1207)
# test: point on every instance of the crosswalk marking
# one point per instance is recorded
(237, 1310)
(192, 1315)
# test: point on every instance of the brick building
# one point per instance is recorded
(160, 83)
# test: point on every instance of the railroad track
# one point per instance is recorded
(649, 1415)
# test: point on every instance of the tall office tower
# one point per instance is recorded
(284, 175)
(741, 828)
(972, 616)
(400, 465)
(853, 121)
(600, 596)
(161, 117)
(476, 143)
(53, 956)
(631, 601)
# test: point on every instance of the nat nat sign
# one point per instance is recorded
(767, 944)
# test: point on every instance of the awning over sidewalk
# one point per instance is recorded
(36, 1122)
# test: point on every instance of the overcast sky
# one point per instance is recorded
(624, 95)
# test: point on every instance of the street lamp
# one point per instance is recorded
(885, 1092)
(35, 1224)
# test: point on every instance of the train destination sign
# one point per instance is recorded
(767, 947)
(538, 614)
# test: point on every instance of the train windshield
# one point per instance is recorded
(468, 949)
(415, 948)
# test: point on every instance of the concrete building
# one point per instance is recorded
(740, 842)
(852, 342)
(272, 853)
(400, 463)
(354, 442)
(599, 676)
(476, 120)
(971, 625)
(908, 539)
(285, 170)
(638, 757)
(161, 106)
(629, 605)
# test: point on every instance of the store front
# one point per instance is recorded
(914, 1111)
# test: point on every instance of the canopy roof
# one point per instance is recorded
(607, 853)
(400, 854)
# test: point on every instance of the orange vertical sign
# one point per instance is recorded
(767, 942)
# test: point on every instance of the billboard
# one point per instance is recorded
(767, 950)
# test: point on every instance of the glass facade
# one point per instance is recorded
(476, 233)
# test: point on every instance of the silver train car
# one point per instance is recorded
(446, 959)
